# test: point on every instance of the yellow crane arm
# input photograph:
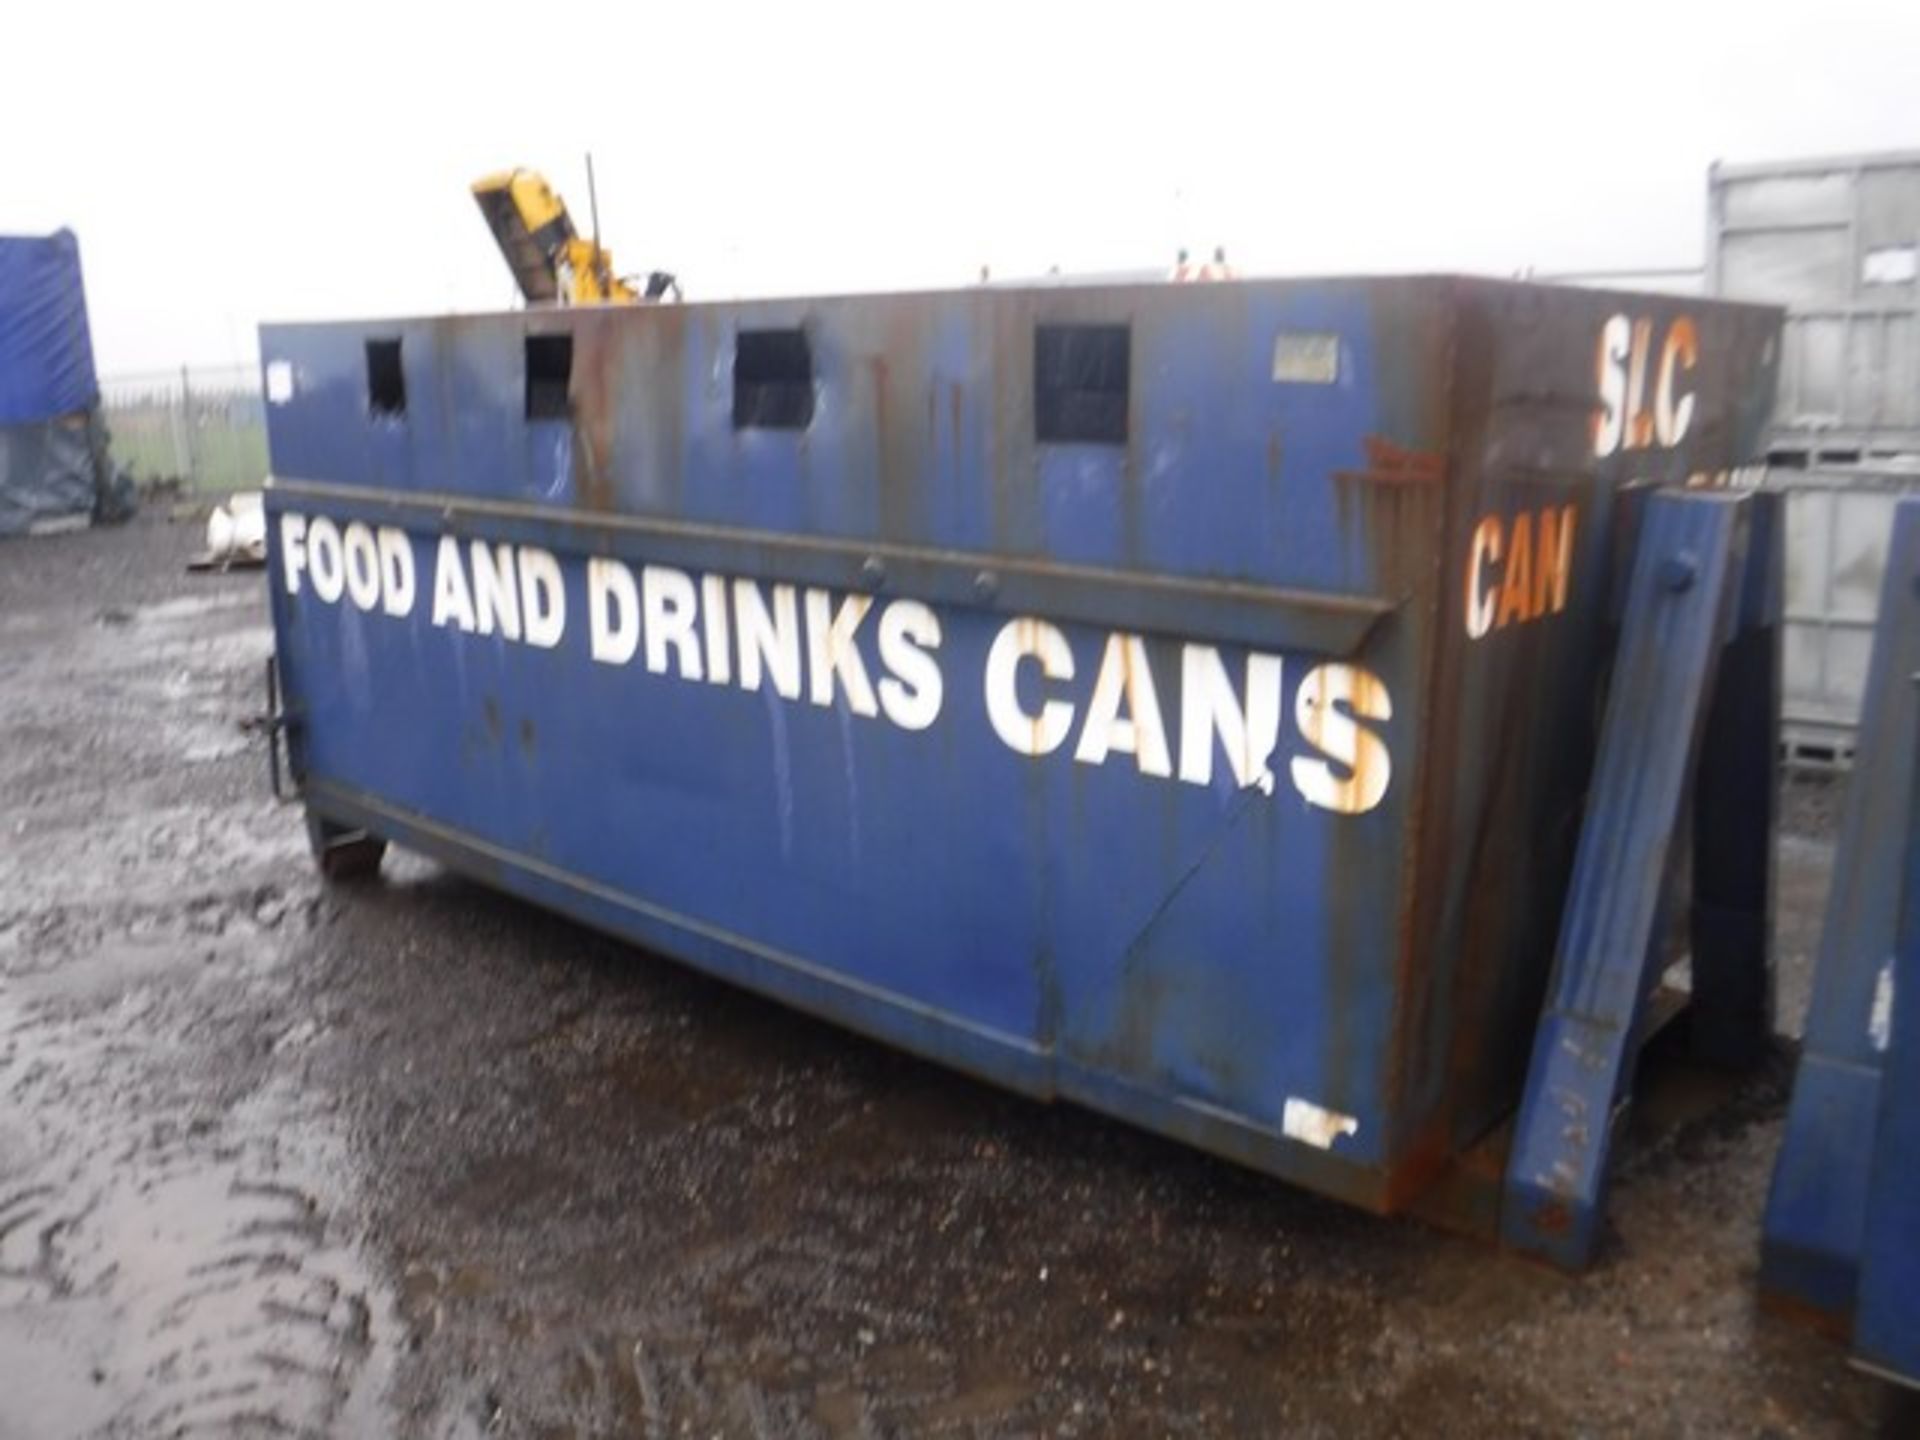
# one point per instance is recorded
(550, 261)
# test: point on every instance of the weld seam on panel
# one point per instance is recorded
(450, 508)
(606, 894)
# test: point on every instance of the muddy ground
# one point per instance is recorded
(415, 1159)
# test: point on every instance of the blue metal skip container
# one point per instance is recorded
(1177, 699)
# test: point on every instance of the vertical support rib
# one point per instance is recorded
(1730, 1018)
(1886, 1332)
(1682, 599)
(1816, 1211)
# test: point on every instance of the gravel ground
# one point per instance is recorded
(414, 1159)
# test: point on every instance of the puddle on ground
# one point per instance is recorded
(169, 1263)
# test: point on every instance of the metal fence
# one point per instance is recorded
(205, 428)
(1834, 240)
(1839, 524)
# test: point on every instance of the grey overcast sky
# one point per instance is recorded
(228, 163)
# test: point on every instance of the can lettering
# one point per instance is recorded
(1518, 568)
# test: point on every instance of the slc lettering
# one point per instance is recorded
(1632, 357)
(1519, 565)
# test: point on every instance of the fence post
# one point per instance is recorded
(189, 471)
(178, 429)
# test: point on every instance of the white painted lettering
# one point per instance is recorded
(362, 565)
(1041, 733)
(396, 571)
(805, 644)
(1487, 544)
(613, 612)
(452, 601)
(1639, 423)
(325, 565)
(1125, 676)
(713, 626)
(1673, 414)
(670, 609)
(543, 598)
(769, 642)
(496, 603)
(833, 655)
(1330, 729)
(1610, 424)
(911, 690)
(293, 549)
(1209, 707)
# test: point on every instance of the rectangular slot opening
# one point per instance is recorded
(1080, 381)
(386, 383)
(549, 372)
(772, 380)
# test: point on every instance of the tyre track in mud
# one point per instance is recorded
(172, 1261)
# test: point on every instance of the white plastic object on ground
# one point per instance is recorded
(237, 530)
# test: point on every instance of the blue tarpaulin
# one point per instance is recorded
(53, 446)
(46, 354)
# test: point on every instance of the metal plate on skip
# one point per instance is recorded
(1306, 357)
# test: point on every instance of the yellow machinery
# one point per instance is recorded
(550, 261)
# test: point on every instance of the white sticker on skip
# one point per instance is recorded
(1315, 1125)
(1306, 357)
(1880, 1022)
